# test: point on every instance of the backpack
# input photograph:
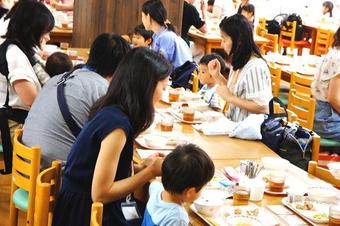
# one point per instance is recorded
(181, 76)
(273, 26)
(299, 26)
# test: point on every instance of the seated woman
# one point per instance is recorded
(19, 81)
(45, 125)
(248, 89)
(325, 88)
(99, 166)
(165, 40)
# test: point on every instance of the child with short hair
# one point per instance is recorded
(208, 91)
(179, 186)
(58, 63)
(141, 37)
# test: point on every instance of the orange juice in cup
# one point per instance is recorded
(277, 181)
(188, 114)
(173, 95)
(73, 54)
(167, 124)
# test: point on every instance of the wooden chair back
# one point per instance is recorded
(288, 33)
(292, 117)
(322, 173)
(322, 41)
(96, 214)
(275, 73)
(272, 45)
(302, 84)
(26, 167)
(48, 185)
(303, 107)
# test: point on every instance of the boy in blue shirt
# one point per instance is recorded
(208, 91)
(179, 186)
(141, 37)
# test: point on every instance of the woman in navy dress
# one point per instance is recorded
(98, 168)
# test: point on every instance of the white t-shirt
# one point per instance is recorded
(225, 8)
(19, 68)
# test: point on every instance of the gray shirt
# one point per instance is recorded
(45, 126)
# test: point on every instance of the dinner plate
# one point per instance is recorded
(319, 208)
(306, 70)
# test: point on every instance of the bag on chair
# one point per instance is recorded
(181, 76)
(288, 140)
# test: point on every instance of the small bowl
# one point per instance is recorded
(236, 220)
(334, 167)
(155, 140)
(322, 194)
(208, 207)
(274, 163)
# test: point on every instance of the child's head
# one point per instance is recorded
(141, 37)
(248, 11)
(327, 7)
(203, 75)
(58, 63)
(186, 170)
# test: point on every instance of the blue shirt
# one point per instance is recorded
(161, 213)
(172, 47)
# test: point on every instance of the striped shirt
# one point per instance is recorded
(253, 84)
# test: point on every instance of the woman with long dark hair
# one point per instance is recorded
(165, 40)
(326, 91)
(248, 89)
(98, 167)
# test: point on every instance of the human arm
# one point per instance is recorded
(104, 189)
(26, 91)
(334, 92)
(62, 7)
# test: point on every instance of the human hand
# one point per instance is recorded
(224, 92)
(155, 162)
(204, 6)
(214, 68)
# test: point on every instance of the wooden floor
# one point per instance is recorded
(5, 188)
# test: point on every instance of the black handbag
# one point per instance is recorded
(289, 140)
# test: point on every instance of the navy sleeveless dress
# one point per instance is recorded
(73, 206)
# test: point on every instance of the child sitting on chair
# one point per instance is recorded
(208, 91)
(141, 37)
(58, 63)
(179, 186)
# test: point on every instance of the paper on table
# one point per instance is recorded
(222, 126)
(146, 153)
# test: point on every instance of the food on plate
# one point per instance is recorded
(253, 213)
(320, 216)
(237, 211)
(305, 206)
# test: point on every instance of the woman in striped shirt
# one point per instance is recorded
(248, 89)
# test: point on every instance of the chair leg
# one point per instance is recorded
(13, 215)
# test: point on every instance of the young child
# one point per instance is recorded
(141, 37)
(179, 186)
(58, 63)
(208, 91)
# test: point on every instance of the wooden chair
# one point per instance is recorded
(48, 184)
(292, 117)
(272, 45)
(275, 73)
(96, 214)
(261, 31)
(262, 22)
(26, 165)
(302, 85)
(287, 38)
(322, 41)
(322, 174)
(304, 107)
(195, 82)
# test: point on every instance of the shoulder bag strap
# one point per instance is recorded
(64, 109)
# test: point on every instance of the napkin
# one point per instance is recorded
(222, 126)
